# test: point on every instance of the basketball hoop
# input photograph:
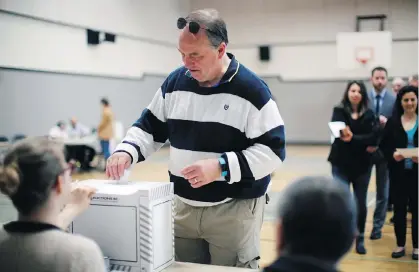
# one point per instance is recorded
(363, 61)
(364, 54)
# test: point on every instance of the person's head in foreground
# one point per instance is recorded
(316, 225)
(37, 178)
(202, 43)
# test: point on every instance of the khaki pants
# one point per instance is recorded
(227, 234)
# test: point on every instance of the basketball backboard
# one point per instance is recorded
(363, 50)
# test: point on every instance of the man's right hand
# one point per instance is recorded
(116, 165)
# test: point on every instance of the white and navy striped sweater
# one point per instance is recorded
(238, 120)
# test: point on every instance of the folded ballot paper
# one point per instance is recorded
(336, 127)
(408, 152)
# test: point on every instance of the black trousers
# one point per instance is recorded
(360, 185)
(82, 154)
(391, 177)
(405, 190)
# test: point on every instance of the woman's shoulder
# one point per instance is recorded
(81, 242)
(70, 243)
(338, 107)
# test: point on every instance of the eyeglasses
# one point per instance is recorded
(194, 27)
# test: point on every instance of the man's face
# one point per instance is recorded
(198, 56)
(379, 80)
(397, 86)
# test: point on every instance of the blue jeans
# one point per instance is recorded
(104, 145)
(360, 186)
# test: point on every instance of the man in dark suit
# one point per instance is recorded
(316, 225)
(381, 101)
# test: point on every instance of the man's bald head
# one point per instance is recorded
(214, 26)
(202, 43)
(317, 218)
(398, 83)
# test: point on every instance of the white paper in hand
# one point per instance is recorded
(408, 153)
(124, 178)
(336, 127)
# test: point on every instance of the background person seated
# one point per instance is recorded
(81, 153)
(77, 130)
(37, 179)
(316, 226)
(58, 131)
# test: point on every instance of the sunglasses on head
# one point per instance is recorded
(194, 27)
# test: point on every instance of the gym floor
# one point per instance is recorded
(301, 160)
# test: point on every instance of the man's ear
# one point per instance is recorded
(279, 237)
(221, 50)
(59, 185)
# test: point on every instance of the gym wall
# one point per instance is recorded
(302, 34)
(51, 35)
(48, 72)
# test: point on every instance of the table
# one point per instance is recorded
(5, 144)
(192, 267)
(91, 141)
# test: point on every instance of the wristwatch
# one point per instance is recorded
(223, 164)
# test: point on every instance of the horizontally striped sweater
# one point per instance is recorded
(237, 120)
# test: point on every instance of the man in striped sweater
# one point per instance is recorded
(226, 138)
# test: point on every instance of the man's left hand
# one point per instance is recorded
(202, 172)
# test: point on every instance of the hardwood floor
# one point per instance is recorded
(301, 160)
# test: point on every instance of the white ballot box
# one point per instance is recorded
(132, 222)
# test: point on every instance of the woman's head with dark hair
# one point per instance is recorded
(35, 175)
(355, 96)
(406, 101)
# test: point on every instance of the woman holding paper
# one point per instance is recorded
(399, 145)
(351, 163)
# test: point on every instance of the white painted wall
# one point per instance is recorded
(32, 44)
(287, 24)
